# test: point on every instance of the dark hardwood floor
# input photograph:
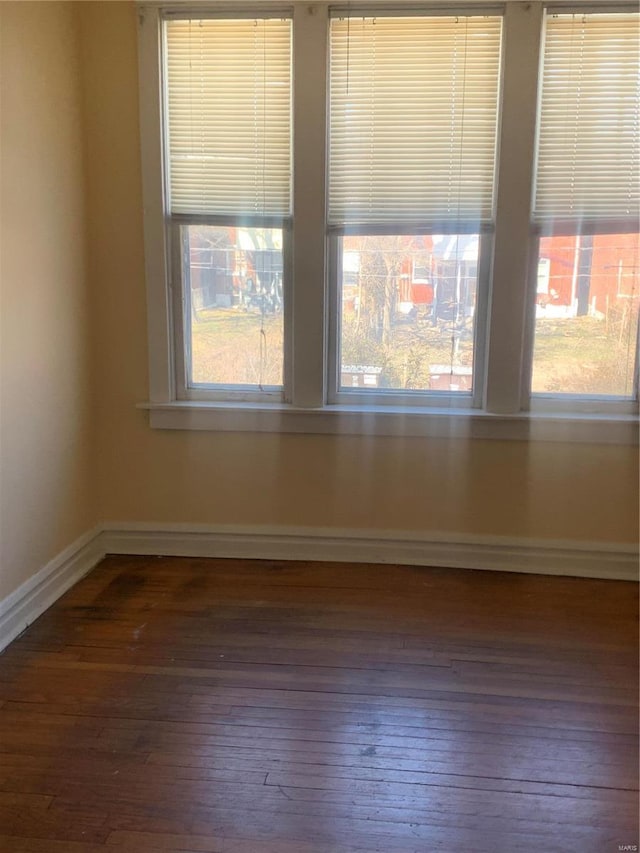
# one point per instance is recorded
(271, 707)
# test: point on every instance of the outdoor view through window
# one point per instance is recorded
(235, 317)
(407, 312)
(587, 315)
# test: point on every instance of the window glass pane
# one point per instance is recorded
(407, 307)
(587, 315)
(234, 322)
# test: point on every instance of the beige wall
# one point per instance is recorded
(45, 428)
(488, 487)
(73, 446)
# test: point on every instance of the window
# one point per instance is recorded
(413, 127)
(586, 203)
(397, 220)
(228, 120)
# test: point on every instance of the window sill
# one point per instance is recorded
(394, 421)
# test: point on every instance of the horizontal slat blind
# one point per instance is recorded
(589, 133)
(413, 119)
(229, 116)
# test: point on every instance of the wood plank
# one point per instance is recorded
(273, 707)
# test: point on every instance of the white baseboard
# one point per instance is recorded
(19, 609)
(539, 556)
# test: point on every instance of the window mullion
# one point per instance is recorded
(482, 308)
(309, 205)
(181, 309)
(334, 309)
(509, 289)
(530, 321)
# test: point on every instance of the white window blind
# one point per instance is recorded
(589, 131)
(229, 116)
(414, 104)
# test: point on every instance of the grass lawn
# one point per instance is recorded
(231, 346)
(581, 355)
(416, 345)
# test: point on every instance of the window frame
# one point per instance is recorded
(181, 309)
(550, 403)
(458, 400)
(484, 228)
(177, 223)
(500, 405)
(541, 402)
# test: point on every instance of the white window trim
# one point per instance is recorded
(425, 400)
(231, 394)
(393, 421)
(503, 354)
(160, 287)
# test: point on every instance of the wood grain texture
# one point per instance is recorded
(231, 706)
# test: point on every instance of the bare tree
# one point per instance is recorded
(381, 259)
